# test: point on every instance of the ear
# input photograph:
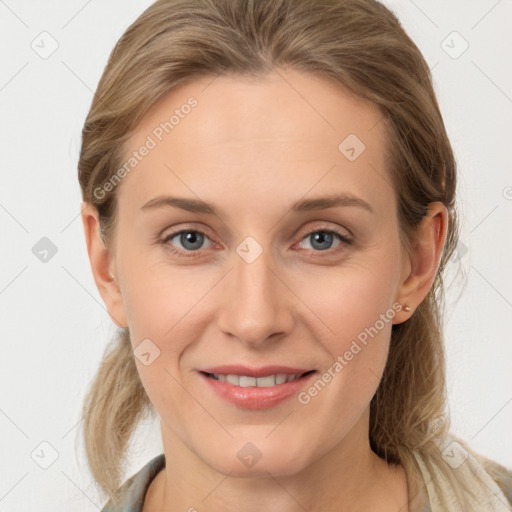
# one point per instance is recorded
(102, 265)
(421, 265)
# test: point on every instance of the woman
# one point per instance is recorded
(269, 205)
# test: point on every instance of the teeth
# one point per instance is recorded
(245, 381)
(281, 378)
(264, 382)
(232, 379)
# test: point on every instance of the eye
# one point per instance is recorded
(322, 240)
(191, 241)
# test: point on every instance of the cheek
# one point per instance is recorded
(353, 318)
(357, 341)
(159, 297)
(165, 311)
(347, 300)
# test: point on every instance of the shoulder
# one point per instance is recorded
(133, 491)
(490, 481)
(500, 474)
(497, 477)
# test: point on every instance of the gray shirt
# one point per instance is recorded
(133, 491)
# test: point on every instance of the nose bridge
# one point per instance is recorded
(255, 302)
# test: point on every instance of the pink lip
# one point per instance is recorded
(254, 397)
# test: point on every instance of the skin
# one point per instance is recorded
(252, 147)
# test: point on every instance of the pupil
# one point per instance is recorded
(193, 238)
(322, 237)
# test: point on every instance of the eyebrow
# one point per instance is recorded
(303, 205)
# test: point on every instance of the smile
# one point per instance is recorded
(261, 388)
(246, 381)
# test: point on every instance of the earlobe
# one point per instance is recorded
(102, 265)
(425, 257)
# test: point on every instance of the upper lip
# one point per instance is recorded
(262, 371)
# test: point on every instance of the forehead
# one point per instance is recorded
(285, 133)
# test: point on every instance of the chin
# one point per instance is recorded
(259, 457)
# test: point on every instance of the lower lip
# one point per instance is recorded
(254, 397)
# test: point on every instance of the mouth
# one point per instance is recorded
(261, 388)
(247, 381)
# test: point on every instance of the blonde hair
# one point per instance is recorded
(361, 45)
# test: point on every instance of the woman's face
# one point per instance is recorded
(271, 281)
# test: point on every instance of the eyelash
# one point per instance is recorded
(194, 254)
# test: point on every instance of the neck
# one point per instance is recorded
(349, 477)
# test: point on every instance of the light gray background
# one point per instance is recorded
(54, 326)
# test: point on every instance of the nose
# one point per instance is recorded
(256, 304)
